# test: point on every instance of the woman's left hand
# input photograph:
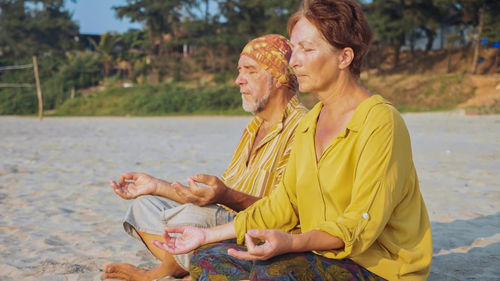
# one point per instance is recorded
(276, 243)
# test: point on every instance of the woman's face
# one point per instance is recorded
(314, 60)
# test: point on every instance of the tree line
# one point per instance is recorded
(185, 39)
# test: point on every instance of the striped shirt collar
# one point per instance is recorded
(254, 125)
(257, 121)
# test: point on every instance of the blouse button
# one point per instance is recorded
(366, 216)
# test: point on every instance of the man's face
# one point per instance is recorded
(256, 84)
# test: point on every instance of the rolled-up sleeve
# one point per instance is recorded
(378, 186)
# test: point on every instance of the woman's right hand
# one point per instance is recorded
(191, 238)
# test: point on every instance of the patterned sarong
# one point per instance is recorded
(211, 262)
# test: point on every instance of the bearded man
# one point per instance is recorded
(268, 89)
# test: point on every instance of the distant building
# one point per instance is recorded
(84, 41)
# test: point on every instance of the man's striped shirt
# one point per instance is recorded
(266, 165)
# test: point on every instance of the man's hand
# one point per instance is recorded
(276, 243)
(133, 185)
(213, 192)
(191, 238)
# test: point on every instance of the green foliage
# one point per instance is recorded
(28, 28)
(492, 24)
(134, 42)
(251, 18)
(58, 75)
(160, 99)
(386, 18)
(247, 19)
(18, 101)
(80, 71)
(105, 48)
(159, 16)
(224, 76)
(174, 25)
(35, 27)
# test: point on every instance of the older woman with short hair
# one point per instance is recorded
(350, 185)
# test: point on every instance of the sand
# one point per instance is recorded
(59, 219)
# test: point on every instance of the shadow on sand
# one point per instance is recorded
(462, 257)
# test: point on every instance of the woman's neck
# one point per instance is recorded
(344, 96)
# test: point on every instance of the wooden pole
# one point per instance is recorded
(38, 89)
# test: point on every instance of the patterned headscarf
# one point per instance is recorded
(273, 53)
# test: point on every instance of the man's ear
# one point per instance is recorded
(345, 57)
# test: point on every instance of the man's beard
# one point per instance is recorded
(258, 105)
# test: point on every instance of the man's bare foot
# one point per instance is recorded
(128, 272)
(125, 271)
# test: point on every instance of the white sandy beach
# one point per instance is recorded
(59, 219)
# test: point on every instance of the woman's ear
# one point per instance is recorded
(278, 84)
(345, 57)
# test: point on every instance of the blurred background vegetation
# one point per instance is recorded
(428, 55)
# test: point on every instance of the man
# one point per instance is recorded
(268, 88)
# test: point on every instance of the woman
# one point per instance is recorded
(350, 182)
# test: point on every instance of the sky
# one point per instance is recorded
(98, 16)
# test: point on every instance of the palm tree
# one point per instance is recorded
(105, 49)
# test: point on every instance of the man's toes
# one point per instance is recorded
(110, 268)
(115, 276)
(123, 271)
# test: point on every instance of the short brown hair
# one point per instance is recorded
(341, 22)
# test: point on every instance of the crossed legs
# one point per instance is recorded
(152, 214)
(125, 271)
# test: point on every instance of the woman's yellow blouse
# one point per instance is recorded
(364, 190)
